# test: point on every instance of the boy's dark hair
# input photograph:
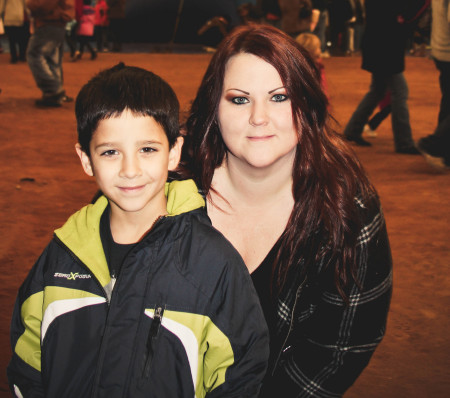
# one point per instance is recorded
(122, 87)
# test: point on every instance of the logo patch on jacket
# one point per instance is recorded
(72, 276)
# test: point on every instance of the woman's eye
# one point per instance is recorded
(109, 152)
(239, 100)
(279, 97)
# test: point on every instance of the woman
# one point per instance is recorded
(290, 196)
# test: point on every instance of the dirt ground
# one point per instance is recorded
(42, 184)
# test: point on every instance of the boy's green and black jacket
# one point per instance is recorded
(183, 319)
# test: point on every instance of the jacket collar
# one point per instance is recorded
(81, 232)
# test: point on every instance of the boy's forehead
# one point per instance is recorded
(125, 116)
(128, 123)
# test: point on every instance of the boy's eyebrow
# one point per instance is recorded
(149, 142)
(115, 144)
(108, 144)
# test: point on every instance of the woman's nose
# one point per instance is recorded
(259, 115)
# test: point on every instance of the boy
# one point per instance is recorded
(136, 295)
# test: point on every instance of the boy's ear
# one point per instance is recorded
(85, 161)
(175, 154)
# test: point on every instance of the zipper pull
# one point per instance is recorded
(113, 280)
(152, 336)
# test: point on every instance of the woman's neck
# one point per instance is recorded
(251, 209)
(236, 182)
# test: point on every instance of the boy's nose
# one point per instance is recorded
(130, 167)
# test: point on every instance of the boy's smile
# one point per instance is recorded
(130, 159)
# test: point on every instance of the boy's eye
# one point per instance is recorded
(279, 97)
(148, 150)
(109, 152)
(239, 100)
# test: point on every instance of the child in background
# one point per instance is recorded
(85, 29)
(137, 295)
(313, 45)
(101, 25)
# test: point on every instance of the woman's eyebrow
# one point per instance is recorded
(247, 93)
(237, 89)
(275, 89)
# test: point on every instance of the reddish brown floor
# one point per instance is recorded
(43, 184)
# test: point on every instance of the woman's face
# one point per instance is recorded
(255, 115)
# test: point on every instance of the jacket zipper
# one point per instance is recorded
(291, 326)
(108, 301)
(151, 339)
(103, 346)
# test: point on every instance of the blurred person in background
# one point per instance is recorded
(436, 147)
(296, 16)
(17, 28)
(388, 25)
(116, 16)
(85, 29)
(46, 46)
(101, 25)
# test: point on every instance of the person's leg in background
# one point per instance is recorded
(436, 147)
(23, 38)
(444, 83)
(376, 120)
(44, 56)
(401, 126)
(360, 117)
(12, 33)
(320, 30)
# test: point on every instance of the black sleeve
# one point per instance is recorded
(24, 369)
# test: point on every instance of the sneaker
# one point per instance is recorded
(53, 101)
(358, 141)
(369, 132)
(436, 163)
(76, 56)
(432, 145)
(431, 154)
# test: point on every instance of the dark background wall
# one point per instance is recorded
(153, 21)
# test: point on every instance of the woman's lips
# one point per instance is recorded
(260, 138)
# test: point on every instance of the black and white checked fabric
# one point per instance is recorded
(323, 343)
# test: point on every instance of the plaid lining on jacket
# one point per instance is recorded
(321, 344)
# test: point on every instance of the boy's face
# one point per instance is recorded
(130, 159)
